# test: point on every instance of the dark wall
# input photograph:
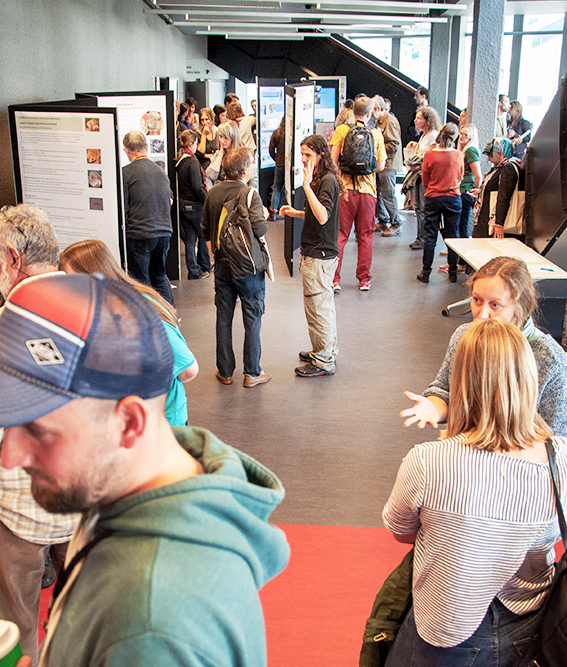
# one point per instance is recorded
(546, 188)
(318, 56)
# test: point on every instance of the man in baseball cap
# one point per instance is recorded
(174, 543)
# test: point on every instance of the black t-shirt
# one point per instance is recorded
(321, 241)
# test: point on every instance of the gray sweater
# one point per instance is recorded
(551, 362)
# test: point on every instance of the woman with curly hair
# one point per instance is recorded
(428, 122)
(319, 254)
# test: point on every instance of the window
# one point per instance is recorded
(414, 59)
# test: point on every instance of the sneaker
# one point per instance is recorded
(336, 286)
(224, 380)
(205, 274)
(305, 356)
(312, 371)
(395, 230)
(381, 227)
(416, 245)
(443, 252)
(364, 285)
(253, 380)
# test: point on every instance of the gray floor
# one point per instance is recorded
(336, 442)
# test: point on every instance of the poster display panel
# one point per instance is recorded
(303, 126)
(65, 163)
(147, 114)
(271, 111)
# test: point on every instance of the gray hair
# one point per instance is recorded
(135, 142)
(379, 102)
(27, 229)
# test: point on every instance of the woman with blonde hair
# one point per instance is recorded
(208, 137)
(228, 137)
(480, 508)
(246, 124)
(94, 256)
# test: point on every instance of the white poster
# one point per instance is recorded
(67, 163)
(145, 113)
(272, 110)
(304, 115)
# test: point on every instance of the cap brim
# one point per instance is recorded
(22, 402)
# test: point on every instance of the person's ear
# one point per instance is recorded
(13, 255)
(132, 413)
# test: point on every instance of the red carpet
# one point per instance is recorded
(317, 608)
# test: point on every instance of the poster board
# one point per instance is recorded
(303, 126)
(150, 112)
(66, 162)
(153, 114)
(271, 109)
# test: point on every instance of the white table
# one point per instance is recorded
(551, 279)
(478, 252)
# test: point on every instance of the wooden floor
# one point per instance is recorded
(336, 442)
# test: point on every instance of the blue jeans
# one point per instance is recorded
(190, 215)
(499, 641)
(444, 208)
(386, 204)
(466, 223)
(418, 204)
(251, 291)
(278, 188)
(146, 263)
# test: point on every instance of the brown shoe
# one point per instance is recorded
(222, 379)
(253, 380)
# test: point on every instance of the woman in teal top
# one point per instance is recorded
(93, 256)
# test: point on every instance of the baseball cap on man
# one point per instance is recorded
(69, 336)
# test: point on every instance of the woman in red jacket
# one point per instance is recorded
(442, 172)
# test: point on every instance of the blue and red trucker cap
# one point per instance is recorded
(69, 336)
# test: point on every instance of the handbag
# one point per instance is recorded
(514, 223)
(549, 645)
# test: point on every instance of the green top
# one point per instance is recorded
(471, 155)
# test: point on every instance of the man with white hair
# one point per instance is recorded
(28, 248)
(147, 208)
(389, 222)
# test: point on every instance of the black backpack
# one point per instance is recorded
(358, 157)
(246, 255)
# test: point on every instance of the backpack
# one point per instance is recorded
(246, 255)
(358, 157)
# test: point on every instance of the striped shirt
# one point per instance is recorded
(486, 527)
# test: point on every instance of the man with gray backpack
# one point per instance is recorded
(359, 154)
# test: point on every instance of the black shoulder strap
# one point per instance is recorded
(553, 472)
(77, 558)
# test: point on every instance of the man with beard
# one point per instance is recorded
(28, 247)
(173, 545)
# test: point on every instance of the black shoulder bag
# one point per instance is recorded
(549, 645)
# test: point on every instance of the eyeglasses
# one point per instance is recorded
(16, 226)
